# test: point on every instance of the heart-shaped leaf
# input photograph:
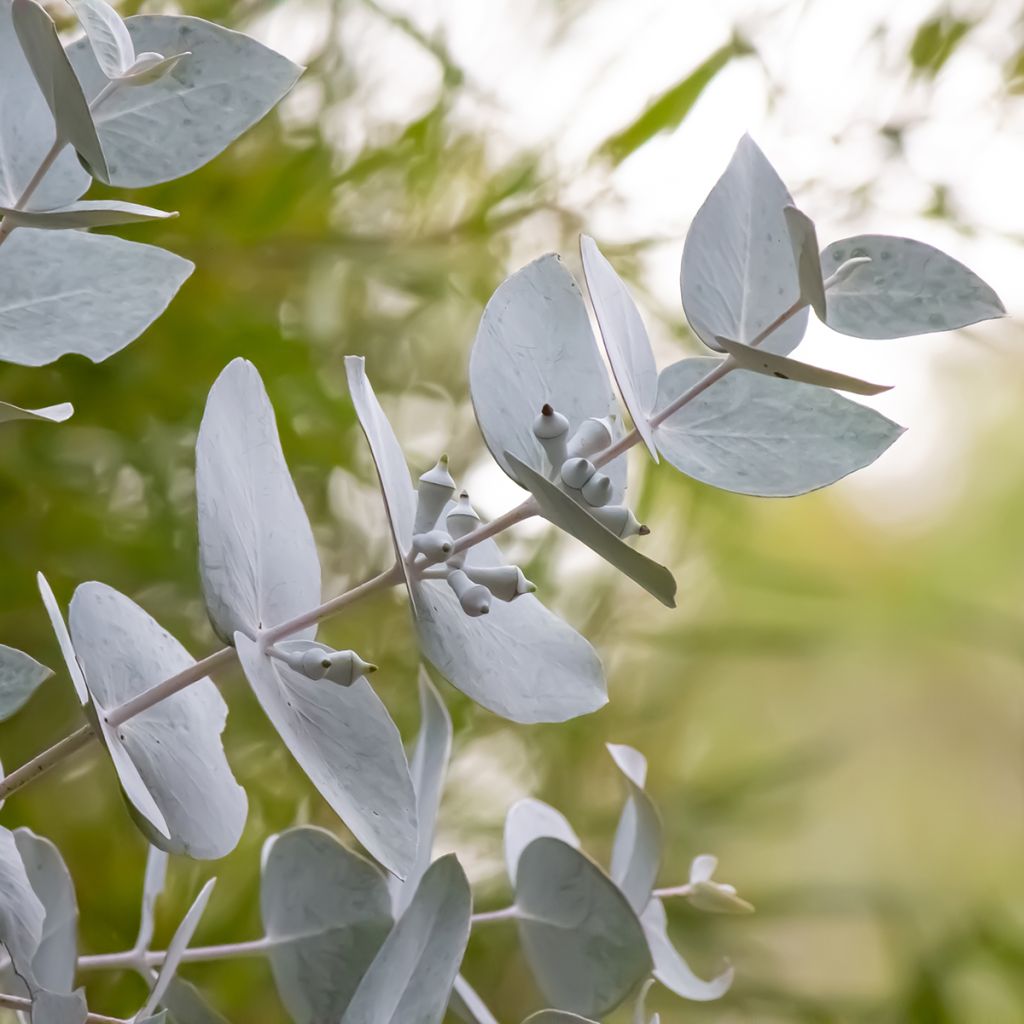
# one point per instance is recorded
(156, 132)
(908, 288)
(412, 974)
(49, 414)
(345, 741)
(70, 291)
(326, 912)
(636, 852)
(582, 940)
(738, 274)
(86, 213)
(530, 819)
(257, 556)
(172, 749)
(754, 435)
(20, 676)
(535, 347)
(625, 339)
(567, 514)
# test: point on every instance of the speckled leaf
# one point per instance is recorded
(774, 438)
(908, 288)
(174, 748)
(71, 291)
(87, 213)
(49, 414)
(412, 974)
(535, 346)
(345, 741)
(670, 968)
(326, 912)
(582, 940)
(20, 676)
(636, 852)
(738, 273)
(156, 132)
(625, 339)
(529, 819)
(567, 514)
(257, 557)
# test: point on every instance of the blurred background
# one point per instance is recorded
(836, 708)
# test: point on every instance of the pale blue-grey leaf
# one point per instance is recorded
(152, 886)
(86, 213)
(71, 291)
(27, 133)
(107, 34)
(625, 339)
(175, 745)
(803, 239)
(584, 943)
(257, 557)
(49, 414)
(58, 82)
(60, 630)
(529, 819)
(535, 346)
(559, 508)
(636, 851)
(59, 1007)
(22, 914)
(345, 741)
(156, 132)
(738, 274)
(412, 974)
(774, 438)
(20, 675)
(326, 912)
(185, 1004)
(907, 288)
(670, 968)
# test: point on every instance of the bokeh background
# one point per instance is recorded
(837, 706)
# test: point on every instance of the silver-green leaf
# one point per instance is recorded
(20, 676)
(49, 414)
(636, 851)
(86, 213)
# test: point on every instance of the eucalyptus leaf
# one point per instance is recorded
(169, 758)
(27, 132)
(345, 741)
(754, 435)
(534, 347)
(804, 240)
(908, 288)
(59, 1007)
(152, 886)
(49, 414)
(529, 819)
(582, 940)
(58, 82)
(155, 132)
(107, 34)
(86, 213)
(257, 557)
(784, 368)
(636, 852)
(22, 914)
(326, 912)
(412, 974)
(738, 274)
(625, 339)
(60, 630)
(670, 968)
(20, 676)
(185, 1004)
(559, 508)
(71, 291)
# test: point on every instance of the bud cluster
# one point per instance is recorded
(473, 585)
(570, 457)
(317, 661)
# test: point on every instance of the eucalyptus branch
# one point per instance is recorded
(25, 1006)
(139, 960)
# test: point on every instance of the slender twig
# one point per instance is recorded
(133, 960)
(505, 914)
(42, 763)
(25, 1005)
(675, 890)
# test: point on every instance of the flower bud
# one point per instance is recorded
(620, 520)
(597, 491)
(576, 472)
(593, 436)
(505, 582)
(474, 598)
(434, 492)
(551, 428)
(318, 661)
(435, 545)
(463, 518)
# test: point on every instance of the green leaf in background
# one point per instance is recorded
(935, 41)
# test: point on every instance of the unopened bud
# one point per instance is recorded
(505, 582)
(474, 598)
(593, 436)
(435, 490)
(597, 491)
(620, 520)
(318, 661)
(462, 519)
(436, 544)
(551, 428)
(576, 472)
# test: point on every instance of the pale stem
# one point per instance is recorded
(505, 914)
(525, 510)
(132, 960)
(25, 1005)
(675, 890)
(47, 162)
(42, 763)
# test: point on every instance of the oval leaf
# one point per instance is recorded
(636, 852)
(20, 675)
(738, 273)
(908, 288)
(773, 438)
(529, 819)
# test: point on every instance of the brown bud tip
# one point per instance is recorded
(464, 495)
(445, 548)
(546, 410)
(643, 531)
